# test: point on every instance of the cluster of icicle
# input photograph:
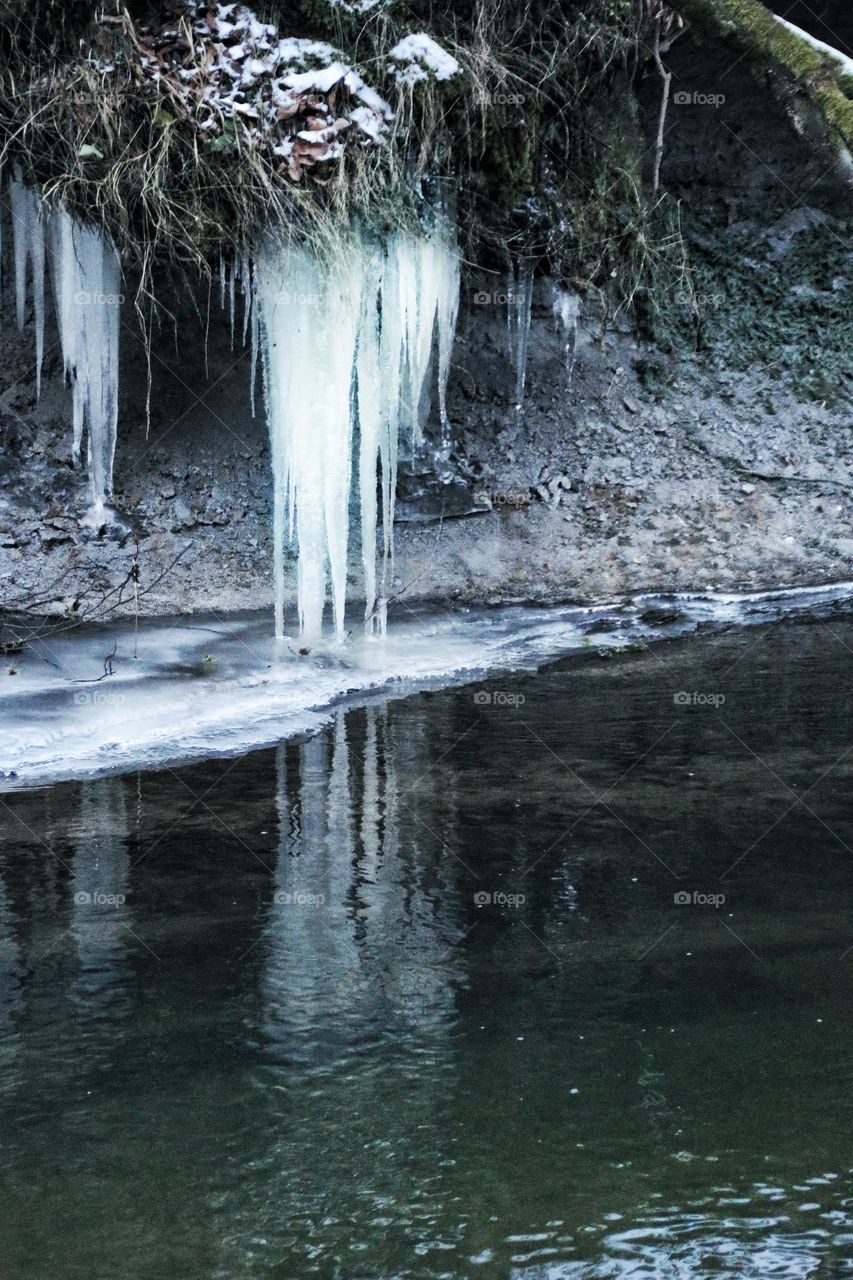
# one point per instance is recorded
(347, 345)
(86, 276)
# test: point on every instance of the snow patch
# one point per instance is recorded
(420, 56)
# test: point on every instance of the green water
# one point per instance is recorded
(257, 1019)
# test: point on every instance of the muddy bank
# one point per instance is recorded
(599, 487)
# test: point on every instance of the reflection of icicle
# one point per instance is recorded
(101, 884)
(519, 307)
(28, 236)
(566, 305)
(11, 993)
(368, 315)
(87, 283)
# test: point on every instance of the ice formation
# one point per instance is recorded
(28, 222)
(347, 344)
(566, 307)
(87, 289)
(86, 277)
(519, 296)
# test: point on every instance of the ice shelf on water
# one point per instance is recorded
(204, 687)
(86, 277)
(348, 342)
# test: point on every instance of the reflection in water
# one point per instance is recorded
(100, 885)
(11, 995)
(339, 1065)
(354, 931)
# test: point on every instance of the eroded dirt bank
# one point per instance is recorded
(656, 467)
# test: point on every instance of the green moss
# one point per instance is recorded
(751, 27)
(788, 318)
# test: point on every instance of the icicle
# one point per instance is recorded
(566, 306)
(519, 307)
(366, 315)
(448, 314)
(87, 283)
(28, 233)
(310, 316)
(370, 420)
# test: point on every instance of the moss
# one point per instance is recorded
(787, 318)
(751, 27)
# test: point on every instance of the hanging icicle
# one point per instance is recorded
(28, 222)
(86, 285)
(519, 307)
(87, 288)
(347, 343)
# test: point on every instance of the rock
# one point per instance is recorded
(632, 405)
(747, 488)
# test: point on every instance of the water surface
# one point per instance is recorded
(415, 997)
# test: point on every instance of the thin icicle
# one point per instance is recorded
(448, 314)
(370, 419)
(519, 307)
(28, 234)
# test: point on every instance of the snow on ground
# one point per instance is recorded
(836, 54)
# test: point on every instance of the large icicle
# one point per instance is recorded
(28, 219)
(87, 283)
(311, 318)
(368, 320)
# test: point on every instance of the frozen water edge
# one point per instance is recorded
(207, 687)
